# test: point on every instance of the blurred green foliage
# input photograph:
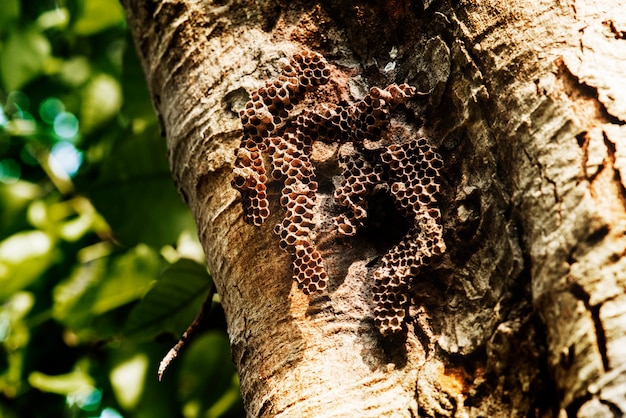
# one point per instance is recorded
(100, 267)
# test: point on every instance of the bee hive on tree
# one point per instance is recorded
(405, 165)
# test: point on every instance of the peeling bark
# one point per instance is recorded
(525, 313)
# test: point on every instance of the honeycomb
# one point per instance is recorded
(278, 136)
(267, 128)
(360, 178)
(413, 169)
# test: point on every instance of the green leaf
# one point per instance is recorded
(102, 285)
(9, 12)
(98, 15)
(230, 401)
(55, 18)
(22, 57)
(128, 378)
(75, 71)
(23, 258)
(65, 384)
(68, 220)
(207, 364)
(172, 303)
(15, 199)
(128, 280)
(102, 99)
(74, 296)
(136, 195)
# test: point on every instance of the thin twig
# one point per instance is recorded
(189, 332)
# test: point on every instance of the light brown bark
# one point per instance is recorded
(525, 314)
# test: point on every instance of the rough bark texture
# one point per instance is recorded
(525, 315)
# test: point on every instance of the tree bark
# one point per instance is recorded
(525, 314)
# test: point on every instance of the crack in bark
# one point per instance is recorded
(581, 294)
(617, 412)
(572, 409)
(617, 176)
(584, 140)
(578, 90)
(619, 34)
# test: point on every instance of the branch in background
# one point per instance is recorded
(189, 332)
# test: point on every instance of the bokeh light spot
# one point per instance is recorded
(65, 159)
(10, 171)
(110, 413)
(50, 108)
(85, 400)
(58, 17)
(66, 125)
(5, 326)
(22, 124)
(3, 118)
(128, 380)
(24, 245)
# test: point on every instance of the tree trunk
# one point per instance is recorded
(525, 312)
